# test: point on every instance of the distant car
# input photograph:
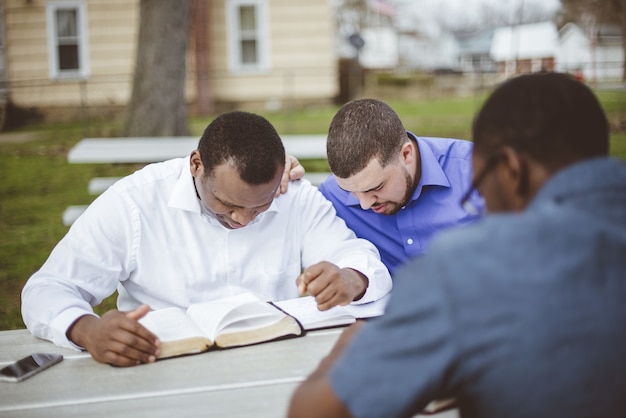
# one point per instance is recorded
(447, 71)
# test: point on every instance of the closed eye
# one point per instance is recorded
(375, 189)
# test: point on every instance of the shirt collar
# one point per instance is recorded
(581, 179)
(431, 173)
(184, 193)
(184, 196)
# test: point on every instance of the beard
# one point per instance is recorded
(394, 207)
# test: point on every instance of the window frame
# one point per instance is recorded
(82, 36)
(235, 38)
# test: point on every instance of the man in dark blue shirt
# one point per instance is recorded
(521, 314)
(393, 188)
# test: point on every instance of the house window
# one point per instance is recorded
(248, 41)
(67, 39)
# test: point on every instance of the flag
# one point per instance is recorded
(382, 7)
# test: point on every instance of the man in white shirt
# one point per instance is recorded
(195, 229)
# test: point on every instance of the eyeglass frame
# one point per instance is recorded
(491, 163)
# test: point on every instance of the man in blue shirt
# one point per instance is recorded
(393, 188)
(521, 314)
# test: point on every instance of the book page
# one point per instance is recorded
(305, 310)
(170, 324)
(370, 309)
(233, 314)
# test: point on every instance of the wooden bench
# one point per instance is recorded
(149, 150)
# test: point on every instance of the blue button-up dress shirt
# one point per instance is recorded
(434, 205)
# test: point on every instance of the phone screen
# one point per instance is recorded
(29, 366)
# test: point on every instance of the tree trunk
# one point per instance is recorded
(157, 106)
(204, 97)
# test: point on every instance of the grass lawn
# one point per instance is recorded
(38, 183)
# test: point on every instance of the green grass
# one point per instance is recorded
(38, 183)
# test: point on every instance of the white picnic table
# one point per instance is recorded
(153, 149)
(255, 381)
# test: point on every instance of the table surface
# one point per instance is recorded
(254, 381)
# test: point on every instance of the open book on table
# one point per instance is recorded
(230, 322)
(305, 310)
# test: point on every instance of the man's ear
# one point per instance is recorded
(195, 163)
(516, 175)
(409, 152)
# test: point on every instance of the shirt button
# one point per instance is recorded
(409, 241)
(233, 269)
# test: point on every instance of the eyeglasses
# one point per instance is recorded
(466, 204)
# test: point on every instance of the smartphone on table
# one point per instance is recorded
(29, 366)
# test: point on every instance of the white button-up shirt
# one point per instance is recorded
(147, 237)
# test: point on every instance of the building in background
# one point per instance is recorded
(429, 48)
(380, 49)
(525, 48)
(474, 51)
(75, 54)
(596, 53)
(607, 53)
(574, 54)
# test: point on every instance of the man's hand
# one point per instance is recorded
(330, 285)
(293, 171)
(116, 338)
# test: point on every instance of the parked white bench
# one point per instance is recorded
(149, 150)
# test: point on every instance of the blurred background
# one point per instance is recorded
(124, 68)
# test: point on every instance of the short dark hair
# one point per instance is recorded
(360, 130)
(247, 141)
(552, 117)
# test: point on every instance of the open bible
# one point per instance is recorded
(229, 322)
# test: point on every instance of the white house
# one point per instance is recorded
(474, 51)
(428, 48)
(65, 54)
(598, 52)
(525, 48)
(381, 48)
(574, 50)
(608, 53)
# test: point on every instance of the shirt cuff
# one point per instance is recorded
(62, 323)
(379, 283)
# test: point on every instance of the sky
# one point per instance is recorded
(466, 12)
